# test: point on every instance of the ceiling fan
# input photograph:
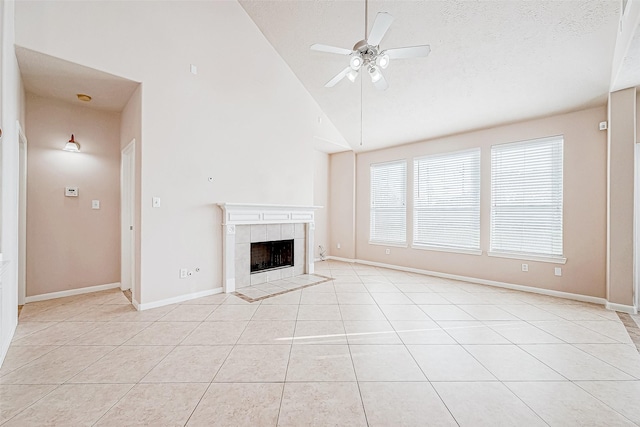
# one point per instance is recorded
(366, 54)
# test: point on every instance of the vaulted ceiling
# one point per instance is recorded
(492, 62)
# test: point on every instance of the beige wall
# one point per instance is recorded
(244, 120)
(69, 244)
(342, 193)
(622, 137)
(584, 206)
(321, 198)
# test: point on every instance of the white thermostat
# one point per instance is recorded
(71, 191)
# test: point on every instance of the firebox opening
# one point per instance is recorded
(271, 255)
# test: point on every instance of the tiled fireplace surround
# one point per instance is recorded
(244, 224)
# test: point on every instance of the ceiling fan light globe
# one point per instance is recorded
(383, 61)
(73, 147)
(355, 62)
(375, 74)
(351, 75)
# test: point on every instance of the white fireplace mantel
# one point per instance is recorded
(235, 214)
(244, 213)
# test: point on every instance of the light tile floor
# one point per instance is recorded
(371, 347)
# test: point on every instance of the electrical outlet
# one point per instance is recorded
(338, 245)
(387, 251)
(183, 273)
(558, 271)
(525, 267)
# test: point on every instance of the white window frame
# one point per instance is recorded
(398, 202)
(446, 192)
(512, 191)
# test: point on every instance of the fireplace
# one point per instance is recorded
(246, 224)
(272, 255)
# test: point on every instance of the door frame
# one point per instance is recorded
(636, 229)
(127, 218)
(22, 214)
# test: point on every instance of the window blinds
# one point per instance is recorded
(526, 197)
(447, 200)
(388, 202)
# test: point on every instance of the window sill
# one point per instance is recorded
(395, 245)
(451, 250)
(528, 257)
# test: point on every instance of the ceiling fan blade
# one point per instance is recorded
(408, 52)
(338, 77)
(381, 83)
(331, 49)
(380, 26)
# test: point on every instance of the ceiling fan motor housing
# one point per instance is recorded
(367, 52)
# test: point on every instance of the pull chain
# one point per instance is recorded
(366, 24)
(361, 80)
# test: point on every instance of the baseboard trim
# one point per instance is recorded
(135, 304)
(71, 292)
(512, 286)
(350, 260)
(621, 307)
(175, 300)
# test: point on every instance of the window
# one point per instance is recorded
(447, 201)
(388, 202)
(526, 198)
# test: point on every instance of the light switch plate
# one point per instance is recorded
(95, 204)
(155, 202)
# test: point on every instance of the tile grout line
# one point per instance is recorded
(58, 386)
(233, 346)
(133, 385)
(576, 383)
(286, 371)
(353, 366)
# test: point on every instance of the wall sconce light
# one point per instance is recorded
(72, 146)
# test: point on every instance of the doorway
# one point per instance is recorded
(127, 218)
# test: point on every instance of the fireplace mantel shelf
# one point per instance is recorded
(246, 213)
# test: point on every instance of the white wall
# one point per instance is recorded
(11, 111)
(244, 119)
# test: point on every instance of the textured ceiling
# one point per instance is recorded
(629, 74)
(52, 77)
(492, 62)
